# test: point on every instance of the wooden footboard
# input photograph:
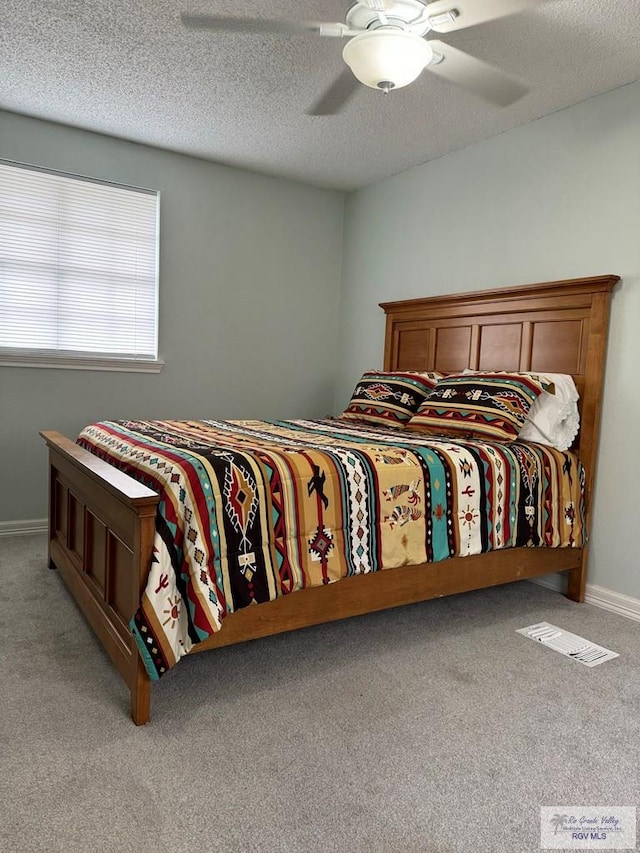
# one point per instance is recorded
(101, 529)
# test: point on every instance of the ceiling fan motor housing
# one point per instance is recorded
(409, 15)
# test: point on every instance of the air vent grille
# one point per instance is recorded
(568, 644)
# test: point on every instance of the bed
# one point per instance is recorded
(103, 522)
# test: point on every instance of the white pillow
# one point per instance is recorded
(554, 419)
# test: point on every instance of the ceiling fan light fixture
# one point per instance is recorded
(387, 59)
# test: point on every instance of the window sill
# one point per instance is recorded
(116, 365)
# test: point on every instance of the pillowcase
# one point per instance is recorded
(389, 397)
(480, 405)
(554, 419)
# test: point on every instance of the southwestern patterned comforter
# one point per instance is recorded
(253, 510)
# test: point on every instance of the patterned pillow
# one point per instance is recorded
(390, 398)
(480, 405)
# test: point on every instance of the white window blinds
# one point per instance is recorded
(78, 267)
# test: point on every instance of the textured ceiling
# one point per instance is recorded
(130, 69)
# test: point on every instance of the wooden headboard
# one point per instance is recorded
(558, 326)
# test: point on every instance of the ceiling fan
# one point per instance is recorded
(387, 48)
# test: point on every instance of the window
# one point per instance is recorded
(78, 272)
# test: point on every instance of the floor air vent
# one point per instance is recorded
(570, 645)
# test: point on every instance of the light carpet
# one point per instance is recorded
(433, 728)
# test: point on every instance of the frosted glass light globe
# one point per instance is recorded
(387, 59)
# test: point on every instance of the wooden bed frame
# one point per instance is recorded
(101, 522)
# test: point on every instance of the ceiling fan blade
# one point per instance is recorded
(336, 96)
(247, 25)
(475, 76)
(445, 16)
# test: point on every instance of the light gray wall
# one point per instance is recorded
(558, 198)
(250, 273)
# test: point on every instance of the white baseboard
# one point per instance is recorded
(624, 605)
(23, 528)
(616, 602)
